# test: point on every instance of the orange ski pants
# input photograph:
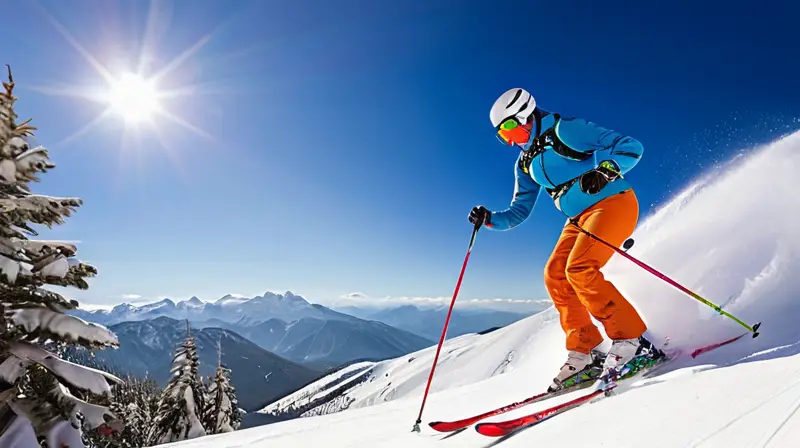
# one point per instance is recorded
(572, 275)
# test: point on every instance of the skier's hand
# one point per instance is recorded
(595, 180)
(479, 214)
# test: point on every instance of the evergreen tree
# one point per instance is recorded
(135, 402)
(182, 401)
(222, 412)
(41, 394)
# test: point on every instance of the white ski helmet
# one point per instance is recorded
(513, 103)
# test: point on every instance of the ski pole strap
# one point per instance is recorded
(753, 329)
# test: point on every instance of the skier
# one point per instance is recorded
(581, 166)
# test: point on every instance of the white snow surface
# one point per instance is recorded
(731, 237)
(317, 388)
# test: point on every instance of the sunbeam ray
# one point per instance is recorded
(93, 94)
(89, 126)
(201, 89)
(99, 68)
(149, 36)
(181, 122)
(175, 63)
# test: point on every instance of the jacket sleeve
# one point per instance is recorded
(606, 144)
(526, 192)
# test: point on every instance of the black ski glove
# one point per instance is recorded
(480, 214)
(595, 180)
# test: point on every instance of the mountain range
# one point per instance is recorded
(147, 347)
(429, 321)
(229, 308)
(275, 343)
(285, 324)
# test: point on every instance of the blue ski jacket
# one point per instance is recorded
(558, 165)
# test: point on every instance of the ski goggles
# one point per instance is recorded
(511, 131)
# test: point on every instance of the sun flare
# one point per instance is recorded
(140, 95)
(133, 97)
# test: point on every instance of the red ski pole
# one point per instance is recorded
(446, 322)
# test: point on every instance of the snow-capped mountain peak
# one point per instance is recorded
(230, 299)
(287, 307)
(194, 302)
(165, 304)
(122, 308)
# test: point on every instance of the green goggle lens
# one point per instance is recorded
(509, 125)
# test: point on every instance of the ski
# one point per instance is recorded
(463, 423)
(499, 429)
(637, 367)
(577, 382)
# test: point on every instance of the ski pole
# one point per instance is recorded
(446, 322)
(717, 308)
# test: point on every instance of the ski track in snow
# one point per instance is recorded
(731, 237)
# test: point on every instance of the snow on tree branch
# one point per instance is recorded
(44, 324)
(16, 296)
(222, 413)
(81, 377)
(59, 272)
(36, 383)
(59, 397)
(37, 209)
(34, 249)
(74, 276)
(182, 401)
(21, 163)
(36, 262)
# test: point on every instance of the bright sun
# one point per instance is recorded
(138, 94)
(133, 97)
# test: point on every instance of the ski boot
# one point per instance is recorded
(626, 358)
(646, 357)
(579, 368)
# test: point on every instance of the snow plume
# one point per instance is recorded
(733, 238)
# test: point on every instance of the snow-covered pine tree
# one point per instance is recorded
(182, 401)
(222, 413)
(40, 391)
(135, 403)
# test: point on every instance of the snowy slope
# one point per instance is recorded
(310, 398)
(463, 360)
(733, 240)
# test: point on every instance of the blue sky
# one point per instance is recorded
(337, 147)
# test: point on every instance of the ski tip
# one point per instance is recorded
(755, 329)
(489, 430)
(445, 426)
(437, 426)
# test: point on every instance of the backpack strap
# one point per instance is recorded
(550, 138)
